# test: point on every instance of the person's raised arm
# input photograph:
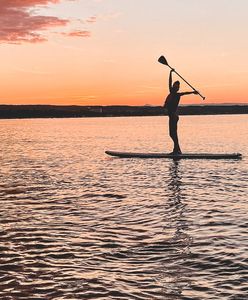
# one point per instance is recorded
(170, 80)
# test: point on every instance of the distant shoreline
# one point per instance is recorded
(73, 111)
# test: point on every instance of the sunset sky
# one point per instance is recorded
(103, 52)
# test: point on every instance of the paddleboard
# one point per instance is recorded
(173, 156)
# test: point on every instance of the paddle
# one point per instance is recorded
(163, 61)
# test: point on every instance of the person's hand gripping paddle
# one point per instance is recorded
(163, 61)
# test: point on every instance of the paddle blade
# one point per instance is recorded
(163, 60)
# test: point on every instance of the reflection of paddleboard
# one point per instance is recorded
(173, 156)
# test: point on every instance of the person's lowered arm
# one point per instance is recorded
(188, 93)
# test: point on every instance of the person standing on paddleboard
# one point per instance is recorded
(171, 104)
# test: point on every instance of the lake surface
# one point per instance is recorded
(76, 224)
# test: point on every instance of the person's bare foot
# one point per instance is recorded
(178, 152)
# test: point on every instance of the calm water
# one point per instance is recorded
(76, 224)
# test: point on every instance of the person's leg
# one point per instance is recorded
(173, 133)
(176, 147)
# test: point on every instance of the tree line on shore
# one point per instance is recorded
(56, 111)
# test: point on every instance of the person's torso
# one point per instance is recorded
(171, 102)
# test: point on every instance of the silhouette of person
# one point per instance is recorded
(171, 104)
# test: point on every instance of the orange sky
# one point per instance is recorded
(92, 52)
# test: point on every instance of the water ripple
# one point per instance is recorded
(75, 224)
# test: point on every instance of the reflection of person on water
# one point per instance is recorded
(171, 105)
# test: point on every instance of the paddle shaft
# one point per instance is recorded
(186, 81)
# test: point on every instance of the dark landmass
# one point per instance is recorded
(54, 111)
